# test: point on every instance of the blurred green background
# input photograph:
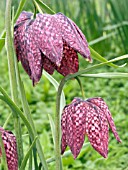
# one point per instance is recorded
(105, 25)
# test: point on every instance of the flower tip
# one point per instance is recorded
(119, 140)
(105, 155)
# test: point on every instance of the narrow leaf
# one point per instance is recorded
(24, 162)
(45, 7)
(56, 85)
(52, 124)
(19, 10)
(38, 6)
(98, 57)
(107, 75)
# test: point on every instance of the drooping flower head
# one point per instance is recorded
(50, 42)
(87, 117)
(10, 146)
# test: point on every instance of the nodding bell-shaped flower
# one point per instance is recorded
(10, 146)
(49, 42)
(89, 117)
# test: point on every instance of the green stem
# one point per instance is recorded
(12, 77)
(29, 117)
(81, 87)
(57, 125)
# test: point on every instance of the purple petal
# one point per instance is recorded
(64, 129)
(23, 17)
(48, 65)
(101, 104)
(96, 128)
(69, 63)
(9, 141)
(20, 43)
(33, 55)
(73, 35)
(75, 127)
(48, 38)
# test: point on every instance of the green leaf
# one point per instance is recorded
(20, 8)
(52, 124)
(102, 38)
(98, 57)
(56, 85)
(2, 40)
(107, 75)
(24, 162)
(38, 6)
(45, 7)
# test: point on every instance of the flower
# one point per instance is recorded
(10, 146)
(49, 42)
(87, 117)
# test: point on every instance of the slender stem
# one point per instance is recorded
(81, 87)
(57, 125)
(29, 117)
(12, 77)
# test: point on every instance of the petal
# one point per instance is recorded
(20, 43)
(96, 128)
(33, 55)
(75, 127)
(64, 129)
(101, 104)
(48, 65)
(9, 141)
(69, 63)
(23, 17)
(48, 37)
(73, 35)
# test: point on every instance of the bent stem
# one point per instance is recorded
(57, 125)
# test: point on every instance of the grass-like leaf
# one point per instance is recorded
(24, 162)
(112, 75)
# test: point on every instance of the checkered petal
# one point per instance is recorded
(9, 141)
(33, 54)
(102, 105)
(73, 35)
(20, 40)
(48, 38)
(73, 131)
(96, 128)
(64, 129)
(69, 62)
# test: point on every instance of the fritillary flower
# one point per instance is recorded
(10, 146)
(49, 42)
(89, 117)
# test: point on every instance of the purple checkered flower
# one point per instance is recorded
(49, 42)
(10, 146)
(87, 117)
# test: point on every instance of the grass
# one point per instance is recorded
(93, 17)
